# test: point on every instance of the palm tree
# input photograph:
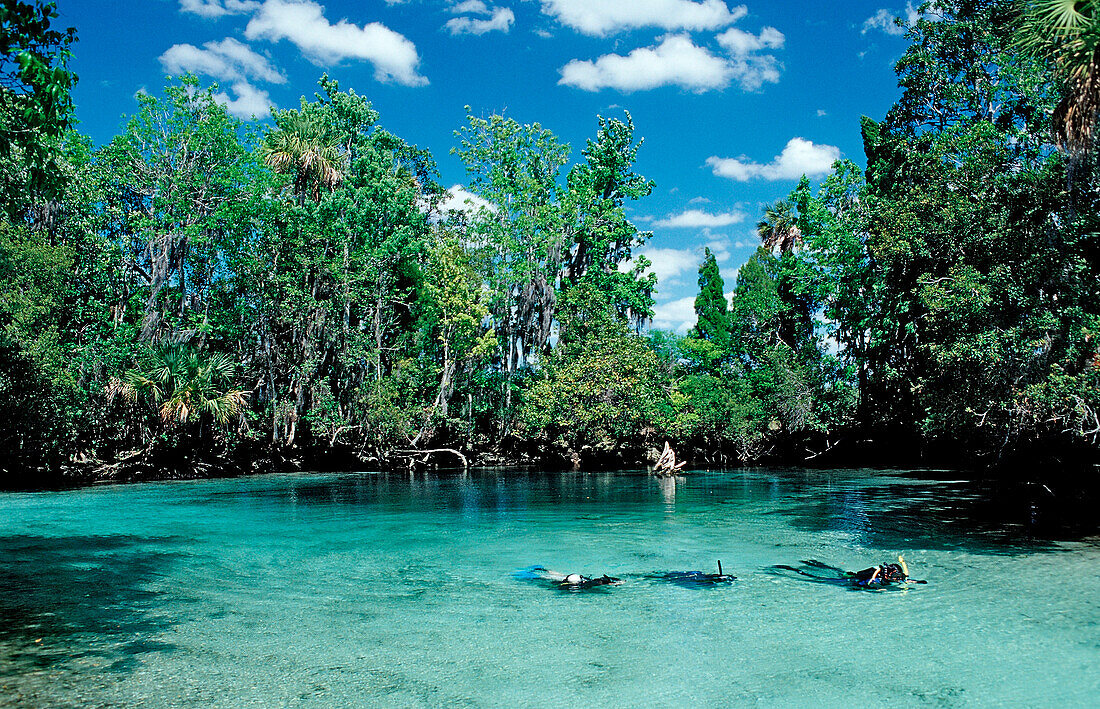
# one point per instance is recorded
(1066, 34)
(184, 385)
(779, 227)
(308, 147)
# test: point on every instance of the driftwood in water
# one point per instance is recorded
(414, 456)
(666, 464)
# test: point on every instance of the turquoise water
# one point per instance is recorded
(391, 590)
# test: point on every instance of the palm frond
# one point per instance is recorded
(1063, 18)
(119, 386)
(305, 146)
(135, 382)
(223, 408)
(778, 230)
(221, 367)
(183, 384)
(1066, 35)
(1060, 31)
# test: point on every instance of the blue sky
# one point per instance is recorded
(734, 101)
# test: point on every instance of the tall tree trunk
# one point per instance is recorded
(446, 380)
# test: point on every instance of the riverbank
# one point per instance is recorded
(1038, 495)
(181, 462)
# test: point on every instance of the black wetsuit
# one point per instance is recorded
(696, 578)
(883, 575)
(585, 582)
(887, 573)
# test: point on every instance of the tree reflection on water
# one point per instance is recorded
(87, 601)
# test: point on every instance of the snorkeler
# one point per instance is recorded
(697, 578)
(578, 581)
(882, 574)
(570, 582)
(876, 576)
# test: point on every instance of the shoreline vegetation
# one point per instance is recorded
(204, 297)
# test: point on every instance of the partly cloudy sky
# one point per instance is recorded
(735, 101)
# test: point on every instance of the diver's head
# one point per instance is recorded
(573, 579)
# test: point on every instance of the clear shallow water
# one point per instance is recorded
(386, 590)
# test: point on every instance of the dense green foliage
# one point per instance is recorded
(196, 291)
(35, 105)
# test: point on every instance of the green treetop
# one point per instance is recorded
(35, 104)
(711, 309)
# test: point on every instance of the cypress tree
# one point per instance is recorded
(711, 309)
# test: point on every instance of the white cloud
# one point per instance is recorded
(884, 20)
(675, 62)
(695, 218)
(750, 67)
(603, 17)
(459, 199)
(678, 315)
(821, 113)
(754, 71)
(740, 43)
(303, 23)
(501, 20)
(249, 102)
(799, 157)
(228, 59)
(720, 247)
(218, 8)
(476, 7)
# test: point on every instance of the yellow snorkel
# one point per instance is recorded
(904, 567)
